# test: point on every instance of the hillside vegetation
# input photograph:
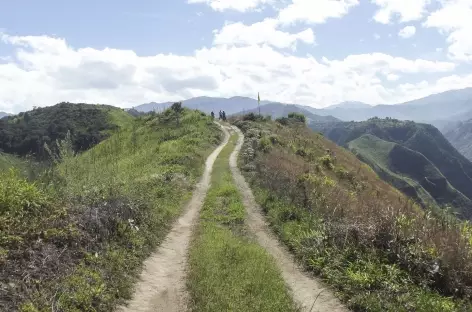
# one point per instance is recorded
(74, 240)
(415, 158)
(460, 136)
(377, 248)
(26, 133)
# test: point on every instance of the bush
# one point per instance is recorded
(327, 162)
(253, 117)
(265, 144)
(297, 116)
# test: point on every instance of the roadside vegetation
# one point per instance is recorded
(74, 238)
(228, 270)
(378, 249)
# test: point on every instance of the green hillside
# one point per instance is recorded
(415, 158)
(378, 249)
(75, 238)
(460, 136)
(26, 133)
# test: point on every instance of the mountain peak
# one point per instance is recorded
(350, 105)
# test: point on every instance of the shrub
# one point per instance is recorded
(297, 116)
(327, 162)
(265, 144)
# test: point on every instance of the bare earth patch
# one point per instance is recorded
(309, 293)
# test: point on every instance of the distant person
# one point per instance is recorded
(224, 116)
(221, 115)
(212, 115)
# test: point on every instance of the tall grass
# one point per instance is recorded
(228, 271)
(375, 246)
(103, 213)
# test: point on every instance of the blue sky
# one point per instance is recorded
(311, 52)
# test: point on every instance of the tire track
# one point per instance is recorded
(162, 282)
(310, 294)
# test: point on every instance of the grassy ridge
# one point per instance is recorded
(75, 239)
(228, 271)
(380, 251)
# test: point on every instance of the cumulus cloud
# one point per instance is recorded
(236, 5)
(46, 70)
(407, 10)
(315, 12)
(454, 19)
(264, 32)
(407, 32)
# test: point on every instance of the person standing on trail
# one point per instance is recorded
(221, 116)
(224, 116)
(212, 115)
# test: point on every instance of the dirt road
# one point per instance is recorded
(162, 282)
(309, 293)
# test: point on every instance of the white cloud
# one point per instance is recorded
(407, 10)
(407, 32)
(264, 32)
(376, 36)
(315, 12)
(454, 19)
(53, 71)
(236, 5)
(392, 77)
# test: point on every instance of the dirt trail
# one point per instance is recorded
(310, 294)
(162, 282)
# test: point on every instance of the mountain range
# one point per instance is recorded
(440, 109)
(207, 104)
(276, 110)
(415, 158)
(3, 114)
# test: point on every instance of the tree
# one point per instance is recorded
(178, 109)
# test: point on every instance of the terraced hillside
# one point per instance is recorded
(378, 249)
(415, 158)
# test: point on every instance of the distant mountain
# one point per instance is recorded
(350, 105)
(460, 137)
(208, 104)
(438, 109)
(277, 110)
(415, 158)
(3, 114)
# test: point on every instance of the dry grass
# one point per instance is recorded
(350, 227)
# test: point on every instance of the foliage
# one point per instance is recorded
(375, 246)
(26, 133)
(297, 116)
(75, 239)
(228, 271)
(415, 158)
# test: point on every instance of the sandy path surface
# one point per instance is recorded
(161, 287)
(309, 293)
